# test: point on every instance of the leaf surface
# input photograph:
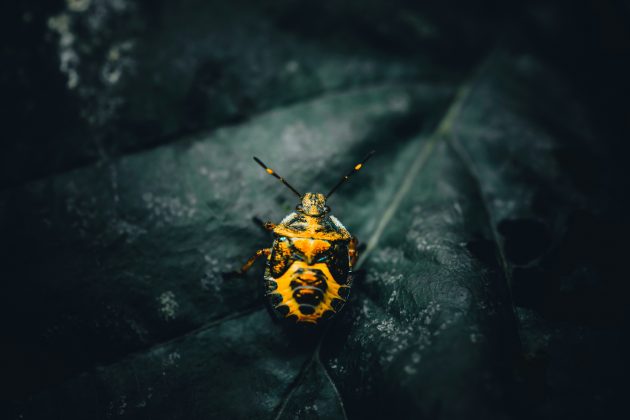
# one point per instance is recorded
(472, 215)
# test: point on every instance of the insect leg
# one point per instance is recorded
(353, 253)
(252, 260)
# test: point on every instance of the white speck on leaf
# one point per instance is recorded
(68, 57)
(130, 231)
(410, 370)
(78, 5)
(171, 359)
(169, 210)
(168, 305)
(212, 280)
(292, 66)
(399, 103)
(392, 298)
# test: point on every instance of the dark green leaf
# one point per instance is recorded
(144, 241)
(479, 293)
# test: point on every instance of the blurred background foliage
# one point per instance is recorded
(108, 77)
(495, 291)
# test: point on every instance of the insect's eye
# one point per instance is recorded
(326, 209)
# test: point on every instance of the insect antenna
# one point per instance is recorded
(349, 174)
(272, 172)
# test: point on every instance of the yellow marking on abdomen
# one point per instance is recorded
(286, 292)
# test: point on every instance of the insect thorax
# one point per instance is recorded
(301, 225)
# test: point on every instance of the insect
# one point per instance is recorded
(308, 272)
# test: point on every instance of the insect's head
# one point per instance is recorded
(314, 204)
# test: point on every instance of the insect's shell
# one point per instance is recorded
(308, 274)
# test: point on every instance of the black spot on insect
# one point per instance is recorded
(307, 309)
(310, 296)
(271, 286)
(338, 262)
(298, 223)
(326, 225)
(282, 309)
(276, 300)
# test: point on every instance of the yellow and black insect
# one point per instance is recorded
(309, 265)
